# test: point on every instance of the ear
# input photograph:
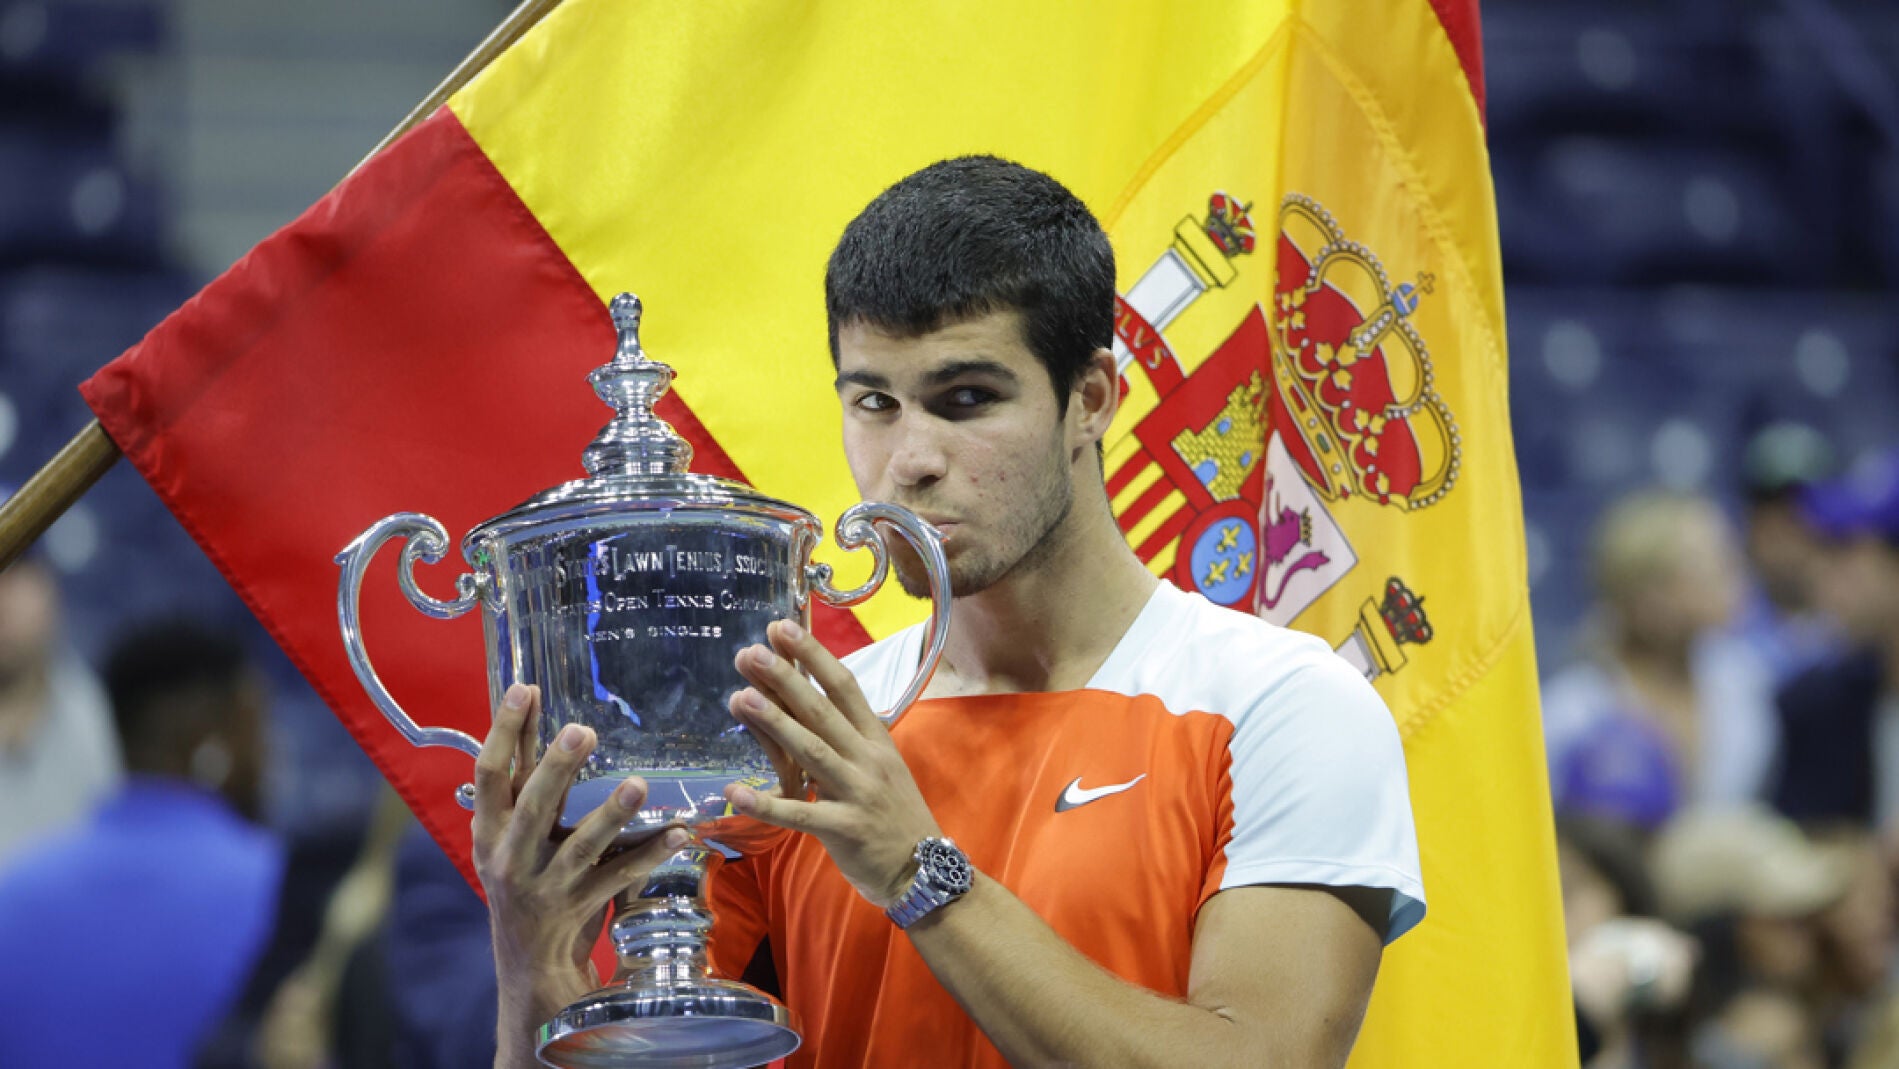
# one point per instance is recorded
(1094, 400)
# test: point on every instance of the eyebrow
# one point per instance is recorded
(949, 372)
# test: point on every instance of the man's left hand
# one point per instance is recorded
(863, 804)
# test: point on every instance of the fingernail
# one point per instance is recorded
(569, 738)
(629, 793)
(677, 838)
(793, 631)
(516, 698)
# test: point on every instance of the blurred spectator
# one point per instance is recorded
(57, 753)
(1767, 901)
(1840, 720)
(1628, 970)
(441, 960)
(128, 937)
(1779, 619)
(334, 1008)
(1663, 709)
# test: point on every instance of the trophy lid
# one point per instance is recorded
(637, 461)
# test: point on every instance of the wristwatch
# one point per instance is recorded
(943, 876)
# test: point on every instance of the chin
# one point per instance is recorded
(965, 577)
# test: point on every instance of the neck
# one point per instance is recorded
(1051, 626)
(1663, 660)
(23, 691)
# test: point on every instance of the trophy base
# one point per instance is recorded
(700, 1024)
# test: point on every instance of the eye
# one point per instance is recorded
(871, 401)
(965, 398)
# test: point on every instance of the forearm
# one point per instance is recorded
(1042, 1002)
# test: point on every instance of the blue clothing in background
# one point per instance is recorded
(1609, 757)
(1788, 645)
(125, 940)
(440, 959)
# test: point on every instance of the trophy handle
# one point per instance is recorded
(427, 541)
(857, 528)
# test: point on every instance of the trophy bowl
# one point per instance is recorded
(625, 596)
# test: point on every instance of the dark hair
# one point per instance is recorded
(975, 235)
(162, 659)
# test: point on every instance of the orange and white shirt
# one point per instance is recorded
(1211, 750)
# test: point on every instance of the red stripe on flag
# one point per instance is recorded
(414, 342)
(1144, 504)
(1164, 534)
(1464, 26)
(1125, 474)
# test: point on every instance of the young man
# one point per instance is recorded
(1181, 836)
(1840, 719)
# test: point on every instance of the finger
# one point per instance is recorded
(527, 745)
(801, 746)
(791, 780)
(797, 644)
(597, 830)
(538, 804)
(777, 811)
(494, 788)
(782, 683)
(621, 871)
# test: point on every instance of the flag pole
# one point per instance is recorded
(63, 480)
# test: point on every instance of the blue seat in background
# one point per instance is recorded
(64, 198)
(61, 42)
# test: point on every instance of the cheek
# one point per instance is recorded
(866, 458)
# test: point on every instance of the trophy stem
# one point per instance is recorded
(661, 931)
(661, 1010)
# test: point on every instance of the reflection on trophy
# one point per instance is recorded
(625, 596)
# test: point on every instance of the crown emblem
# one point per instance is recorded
(1362, 409)
(1229, 225)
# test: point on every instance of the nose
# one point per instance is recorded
(919, 458)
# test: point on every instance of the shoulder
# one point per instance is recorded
(1575, 698)
(1196, 656)
(885, 666)
(1845, 686)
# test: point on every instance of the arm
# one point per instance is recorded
(546, 900)
(1279, 975)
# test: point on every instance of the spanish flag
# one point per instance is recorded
(1311, 333)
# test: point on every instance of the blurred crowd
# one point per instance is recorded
(1724, 763)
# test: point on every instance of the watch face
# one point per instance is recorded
(947, 867)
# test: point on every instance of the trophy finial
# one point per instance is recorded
(626, 309)
(637, 442)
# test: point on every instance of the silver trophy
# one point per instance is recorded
(625, 596)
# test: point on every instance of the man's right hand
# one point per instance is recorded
(547, 900)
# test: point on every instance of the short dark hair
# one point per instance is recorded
(161, 659)
(970, 236)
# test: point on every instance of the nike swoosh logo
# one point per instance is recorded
(1075, 794)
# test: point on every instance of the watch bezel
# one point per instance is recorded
(945, 865)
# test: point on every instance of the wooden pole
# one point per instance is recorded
(53, 489)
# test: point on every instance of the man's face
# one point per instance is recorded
(1856, 582)
(960, 426)
(1782, 550)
